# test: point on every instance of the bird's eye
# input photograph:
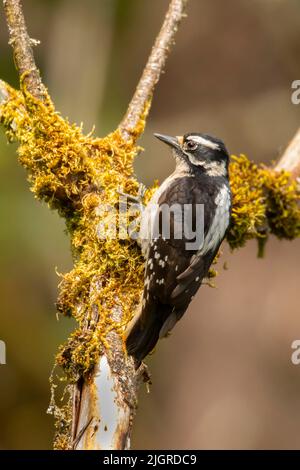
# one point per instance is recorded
(190, 145)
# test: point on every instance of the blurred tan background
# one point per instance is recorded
(224, 379)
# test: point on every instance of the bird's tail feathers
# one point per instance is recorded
(144, 330)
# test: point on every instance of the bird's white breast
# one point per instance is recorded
(220, 221)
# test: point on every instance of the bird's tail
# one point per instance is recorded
(144, 333)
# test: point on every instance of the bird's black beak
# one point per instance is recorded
(167, 139)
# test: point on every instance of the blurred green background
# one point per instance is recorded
(224, 378)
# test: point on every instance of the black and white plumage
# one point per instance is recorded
(173, 273)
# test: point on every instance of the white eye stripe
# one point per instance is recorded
(201, 140)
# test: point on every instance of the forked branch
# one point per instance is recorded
(109, 394)
(154, 68)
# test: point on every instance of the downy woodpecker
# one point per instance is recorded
(175, 267)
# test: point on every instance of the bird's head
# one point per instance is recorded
(199, 152)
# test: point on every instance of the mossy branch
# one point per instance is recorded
(265, 201)
(78, 175)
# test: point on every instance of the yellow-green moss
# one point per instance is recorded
(264, 201)
(77, 174)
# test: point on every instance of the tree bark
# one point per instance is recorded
(104, 404)
(22, 48)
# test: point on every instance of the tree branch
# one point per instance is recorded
(290, 160)
(153, 69)
(104, 406)
(21, 44)
(105, 382)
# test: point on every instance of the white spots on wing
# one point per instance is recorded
(156, 255)
(197, 279)
(160, 281)
(203, 141)
(161, 263)
(166, 258)
(176, 267)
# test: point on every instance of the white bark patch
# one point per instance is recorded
(109, 417)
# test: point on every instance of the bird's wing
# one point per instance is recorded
(173, 273)
(217, 218)
(171, 269)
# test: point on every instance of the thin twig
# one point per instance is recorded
(290, 160)
(21, 44)
(154, 67)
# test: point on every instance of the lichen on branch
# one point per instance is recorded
(78, 174)
(265, 201)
